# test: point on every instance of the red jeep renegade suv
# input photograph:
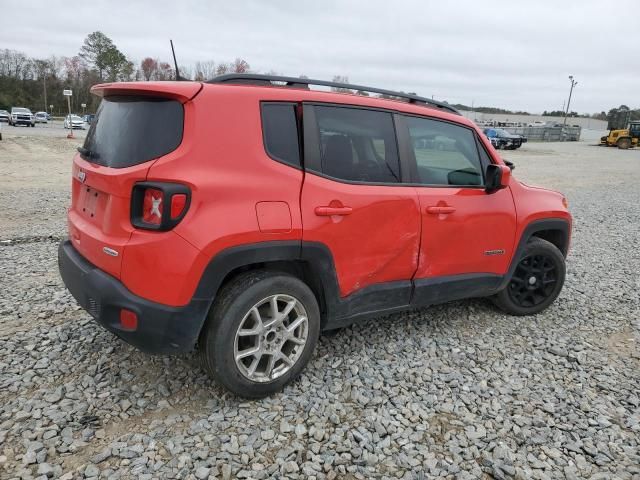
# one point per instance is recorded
(247, 214)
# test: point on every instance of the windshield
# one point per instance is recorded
(502, 133)
(20, 110)
(129, 130)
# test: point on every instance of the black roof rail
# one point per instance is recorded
(259, 79)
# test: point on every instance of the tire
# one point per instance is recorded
(233, 311)
(543, 262)
(624, 143)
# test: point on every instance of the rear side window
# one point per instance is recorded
(129, 130)
(280, 130)
(358, 144)
(446, 154)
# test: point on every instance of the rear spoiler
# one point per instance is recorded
(182, 91)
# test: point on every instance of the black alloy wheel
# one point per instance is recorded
(536, 281)
(533, 281)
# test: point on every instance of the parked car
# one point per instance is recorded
(189, 227)
(4, 116)
(537, 123)
(88, 118)
(41, 117)
(73, 121)
(502, 139)
(22, 116)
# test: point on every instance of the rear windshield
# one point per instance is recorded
(130, 130)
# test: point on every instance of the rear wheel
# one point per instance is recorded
(260, 334)
(624, 143)
(536, 281)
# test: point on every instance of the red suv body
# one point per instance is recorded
(187, 195)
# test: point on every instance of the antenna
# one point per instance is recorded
(175, 62)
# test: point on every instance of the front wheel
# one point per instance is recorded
(624, 143)
(536, 281)
(260, 334)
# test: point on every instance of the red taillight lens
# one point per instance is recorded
(152, 206)
(128, 319)
(159, 206)
(178, 201)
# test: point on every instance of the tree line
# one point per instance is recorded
(37, 83)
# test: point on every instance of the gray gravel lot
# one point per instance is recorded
(458, 391)
(54, 128)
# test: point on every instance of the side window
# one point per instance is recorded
(485, 159)
(358, 144)
(446, 154)
(280, 130)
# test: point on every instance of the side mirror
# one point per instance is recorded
(497, 177)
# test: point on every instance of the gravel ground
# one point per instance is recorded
(54, 128)
(458, 391)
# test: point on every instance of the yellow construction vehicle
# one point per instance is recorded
(623, 138)
(622, 132)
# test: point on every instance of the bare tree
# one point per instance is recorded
(205, 70)
(149, 67)
(222, 68)
(186, 72)
(165, 72)
(240, 66)
(17, 64)
(340, 79)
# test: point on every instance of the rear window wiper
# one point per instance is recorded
(85, 152)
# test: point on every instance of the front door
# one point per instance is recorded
(467, 233)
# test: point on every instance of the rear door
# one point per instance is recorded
(353, 198)
(465, 230)
(127, 134)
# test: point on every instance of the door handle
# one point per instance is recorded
(440, 210)
(328, 211)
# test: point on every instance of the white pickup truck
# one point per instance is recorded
(22, 116)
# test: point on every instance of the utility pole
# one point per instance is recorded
(44, 82)
(573, 84)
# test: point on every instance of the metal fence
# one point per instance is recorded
(547, 134)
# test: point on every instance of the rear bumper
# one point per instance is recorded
(161, 329)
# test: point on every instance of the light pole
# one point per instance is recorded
(573, 84)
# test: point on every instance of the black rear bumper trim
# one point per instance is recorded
(161, 329)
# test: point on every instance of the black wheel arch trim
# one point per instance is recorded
(548, 224)
(321, 277)
(320, 274)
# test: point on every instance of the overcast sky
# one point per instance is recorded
(508, 54)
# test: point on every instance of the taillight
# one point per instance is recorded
(159, 205)
(178, 202)
(152, 206)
